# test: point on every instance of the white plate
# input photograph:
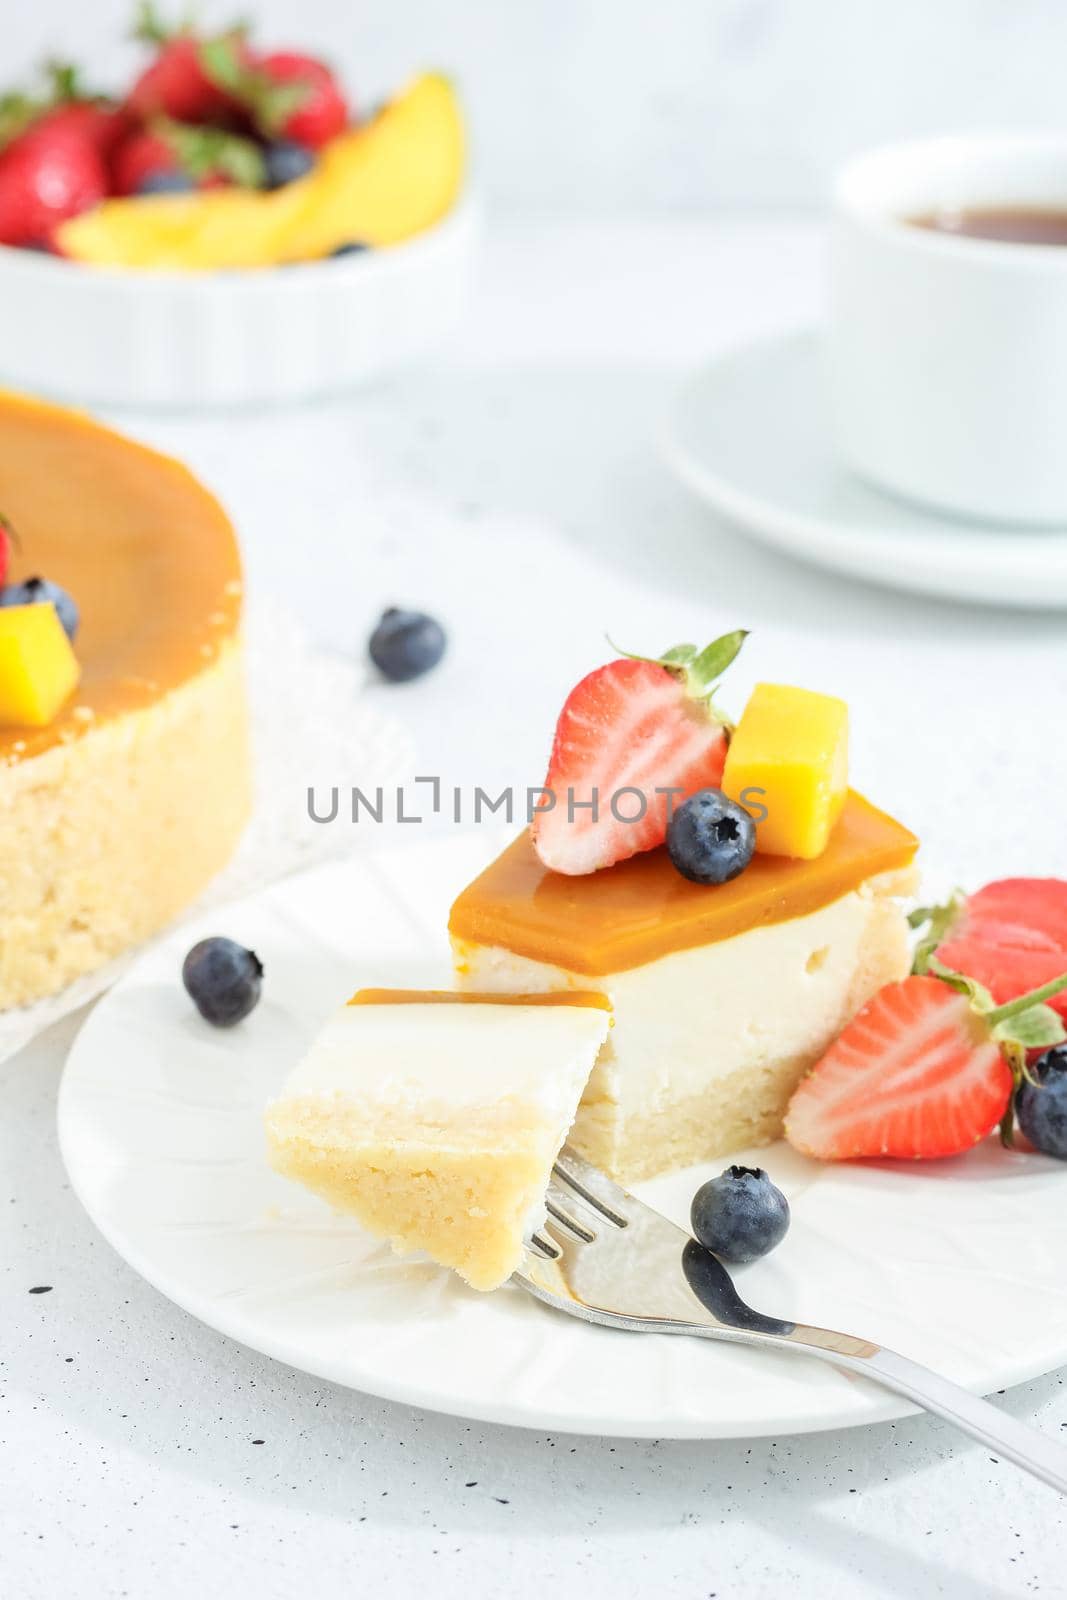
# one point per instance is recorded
(961, 1264)
(750, 434)
(192, 339)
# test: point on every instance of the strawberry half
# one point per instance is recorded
(634, 739)
(925, 1069)
(1010, 936)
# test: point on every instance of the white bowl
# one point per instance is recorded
(105, 336)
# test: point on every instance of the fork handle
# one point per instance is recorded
(1043, 1457)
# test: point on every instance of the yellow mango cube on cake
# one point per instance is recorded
(788, 765)
(38, 669)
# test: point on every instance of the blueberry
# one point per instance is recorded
(1041, 1107)
(38, 591)
(285, 161)
(405, 644)
(740, 1215)
(224, 979)
(352, 248)
(710, 839)
(165, 183)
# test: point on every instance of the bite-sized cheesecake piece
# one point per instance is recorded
(435, 1117)
(121, 803)
(722, 996)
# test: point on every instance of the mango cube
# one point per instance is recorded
(38, 668)
(789, 756)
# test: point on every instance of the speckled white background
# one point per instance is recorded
(128, 1433)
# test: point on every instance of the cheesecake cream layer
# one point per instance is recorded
(708, 1044)
(437, 1123)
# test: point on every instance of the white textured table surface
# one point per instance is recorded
(513, 489)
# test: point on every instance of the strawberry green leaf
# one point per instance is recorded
(242, 162)
(938, 922)
(1024, 1002)
(205, 152)
(979, 996)
(222, 64)
(1037, 1028)
(149, 27)
(65, 80)
(708, 667)
(679, 656)
(1007, 1124)
(17, 111)
(699, 671)
(270, 104)
(1004, 1020)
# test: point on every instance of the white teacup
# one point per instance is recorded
(948, 354)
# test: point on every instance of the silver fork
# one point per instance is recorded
(608, 1258)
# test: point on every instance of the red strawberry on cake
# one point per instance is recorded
(634, 739)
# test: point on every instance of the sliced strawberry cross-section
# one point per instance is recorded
(633, 740)
(927, 1068)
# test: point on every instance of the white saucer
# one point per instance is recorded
(750, 435)
(160, 1124)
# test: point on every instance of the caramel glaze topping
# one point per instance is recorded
(437, 997)
(146, 553)
(643, 908)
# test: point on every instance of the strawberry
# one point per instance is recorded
(296, 97)
(64, 105)
(97, 122)
(92, 117)
(46, 175)
(190, 78)
(636, 724)
(1010, 936)
(925, 1069)
(141, 158)
(206, 157)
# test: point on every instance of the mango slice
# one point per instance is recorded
(385, 182)
(788, 758)
(377, 184)
(38, 668)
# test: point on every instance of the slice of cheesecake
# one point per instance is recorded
(722, 996)
(435, 1117)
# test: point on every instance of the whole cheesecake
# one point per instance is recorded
(118, 813)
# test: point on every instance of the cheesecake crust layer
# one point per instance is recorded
(104, 841)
